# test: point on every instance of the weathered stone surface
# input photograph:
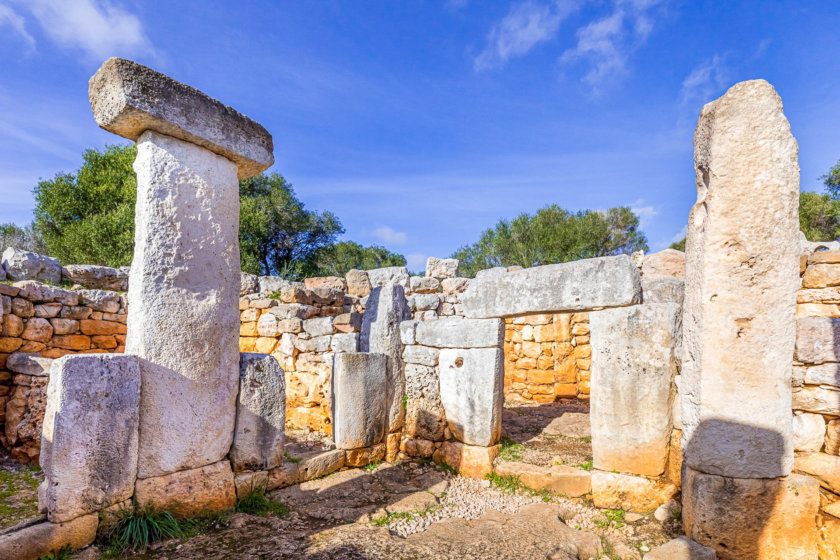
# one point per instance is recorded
(423, 302)
(345, 342)
(832, 437)
(752, 517)
(829, 530)
(455, 332)
(29, 364)
(742, 273)
(469, 460)
(808, 432)
(320, 463)
(663, 289)
(332, 282)
(275, 284)
(319, 326)
(420, 355)
(248, 284)
(633, 367)
(364, 456)
(817, 340)
(260, 414)
(397, 275)
(471, 390)
(90, 434)
(358, 399)
(408, 330)
(425, 417)
(822, 400)
(454, 285)
(35, 291)
(441, 268)
(206, 490)
(630, 493)
(42, 539)
(669, 262)
(358, 283)
(26, 265)
(101, 300)
(822, 374)
(96, 277)
(386, 309)
(563, 480)
(681, 548)
(575, 286)
(184, 323)
(423, 285)
(823, 467)
(129, 99)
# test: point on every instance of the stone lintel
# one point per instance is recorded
(128, 98)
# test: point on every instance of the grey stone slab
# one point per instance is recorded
(260, 414)
(456, 332)
(128, 99)
(471, 390)
(358, 399)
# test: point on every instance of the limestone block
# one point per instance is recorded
(633, 367)
(260, 414)
(630, 493)
(469, 460)
(668, 263)
(248, 284)
(471, 390)
(358, 283)
(408, 331)
(206, 490)
(96, 277)
(29, 364)
(287, 311)
(817, 340)
(829, 529)
(681, 548)
(26, 265)
(663, 289)
(808, 432)
(825, 468)
(441, 268)
(561, 479)
(822, 400)
(129, 99)
(101, 300)
(246, 482)
(454, 285)
(364, 456)
(456, 332)
(490, 273)
(832, 437)
(358, 399)
(752, 517)
(274, 284)
(423, 285)
(332, 282)
(43, 539)
(318, 344)
(742, 274)
(320, 463)
(345, 342)
(555, 288)
(397, 275)
(35, 291)
(421, 355)
(184, 323)
(319, 326)
(386, 308)
(90, 433)
(423, 302)
(821, 374)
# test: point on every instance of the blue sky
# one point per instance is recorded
(421, 123)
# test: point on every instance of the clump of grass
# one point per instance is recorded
(586, 439)
(390, 517)
(274, 295)
(256, 502)
(511, 450)
(405, 402)
(138, 527)
(291, 459)
(62, 553)
(372, 466)
(612, 518)
(447, 468)
(507, 483)
(586, 465)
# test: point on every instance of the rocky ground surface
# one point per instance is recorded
(18, 491)
(418, 511)
(548, 434)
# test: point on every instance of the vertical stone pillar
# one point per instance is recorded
(184, 283)
(742, 275)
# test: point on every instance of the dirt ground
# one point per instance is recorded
(548, 434)
(18, 491)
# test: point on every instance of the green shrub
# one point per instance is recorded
(256, 502)
(138, 527)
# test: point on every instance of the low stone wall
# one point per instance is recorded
(40, 323)
(547, 357)
(816, 389)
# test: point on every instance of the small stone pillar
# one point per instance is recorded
(742, 274)
(183, 318)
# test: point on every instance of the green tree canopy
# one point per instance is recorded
(26, 238)
(831, 180)
(819, 216)
(554, 235)
(337, 259)
(88, 216)
(678, 245)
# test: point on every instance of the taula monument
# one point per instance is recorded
(718, 387)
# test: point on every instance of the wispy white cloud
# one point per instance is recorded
(15, 21)
(645, 212)
(390, 236)
(526, 24)
(415, 261)
(706, 80)
(98, 27)
(605, 45)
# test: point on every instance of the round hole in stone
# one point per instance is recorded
(459, 362)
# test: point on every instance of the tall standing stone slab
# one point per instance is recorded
(555, 288)
(260, 414)
(742, 274)
(386, 309)
(358, 399)
(184, 283)
(472, 393)
(90, 434)
(633, 368)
